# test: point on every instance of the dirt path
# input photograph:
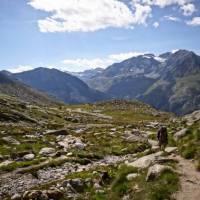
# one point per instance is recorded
(189, 179)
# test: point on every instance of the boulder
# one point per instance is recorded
(155, 148)
(47, 151)
(11, 140)
(171, 149)
(5, 163)
(63, 144)
(97, 186)
(77, 184)
(155, 171)
(29, 157)
(79, 145)
(131, 176)
(193, 117)
(16, 197)
(178, 135)
(57, 132)
(134, 136)
(35, 194)
(146, 161)
(54, 193)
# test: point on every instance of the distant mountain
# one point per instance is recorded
(10, 86)
(62, 85)
(170, 81)
(87, 74)
(178, 87)
(145, 66)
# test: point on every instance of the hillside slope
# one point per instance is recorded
(169, 82)
(63, 86)
(12, 87)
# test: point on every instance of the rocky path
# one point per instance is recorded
(14, 182)
(189, 180)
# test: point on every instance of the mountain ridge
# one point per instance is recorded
(12, 87)
(60, 84)
(170, 81)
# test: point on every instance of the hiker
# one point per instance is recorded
(162, 137)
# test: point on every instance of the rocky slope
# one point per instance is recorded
(87, 74)
(61, 85)
(169, 82)
(86, 151)
(12, 87)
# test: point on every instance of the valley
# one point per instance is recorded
(104, 150)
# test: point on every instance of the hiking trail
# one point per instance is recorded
(189, 180)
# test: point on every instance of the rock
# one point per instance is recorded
(5, 163)
(193, 117)
(28, 157)
(70, 141)
(79, 145)
(153, 142)
(97, 134)
(145, 161)
(155, 171)
(155, 148)
(126, 197)
(154, 145)
(69, 154)
(54, 194)
(11, 140)
(97, 186)
(171, 149)
(153, 124)
(132, 176)
(47, 151)
(63, 144)
(16, 197)
(104, 177)
(180, 134)
(135, 136)
(35, 194)
(57, 132)
(77, 184)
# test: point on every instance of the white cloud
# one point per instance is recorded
(156, 24)
(82, 64)
(20, 68)
(87, 15)
(188, 9)
(164, 3)
(124, 56)
(142, 13)
(172, 18)
(82, 15)
(194, 22)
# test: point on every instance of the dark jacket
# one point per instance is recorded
(162, 135)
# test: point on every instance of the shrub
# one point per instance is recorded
(189, 152)
(165, 187)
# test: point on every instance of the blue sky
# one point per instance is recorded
(75, 35)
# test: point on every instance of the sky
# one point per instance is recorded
(75, 35)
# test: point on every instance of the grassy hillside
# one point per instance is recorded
(85, 141)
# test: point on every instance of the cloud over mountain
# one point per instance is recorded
(89, 16)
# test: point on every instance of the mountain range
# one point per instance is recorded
(63, 86)
(170, 82)
(12, 87)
